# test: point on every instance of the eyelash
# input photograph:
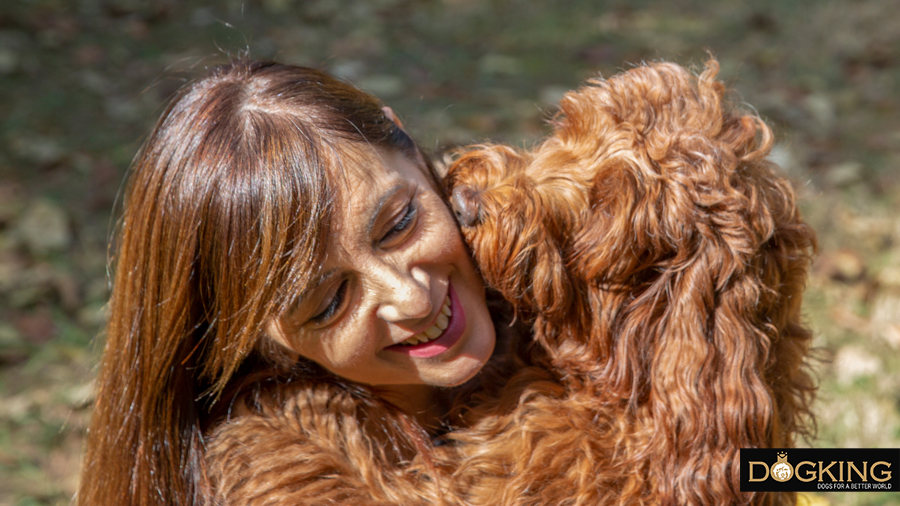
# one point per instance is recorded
(336, 302)
(404, 223)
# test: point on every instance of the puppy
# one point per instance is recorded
(661, 258)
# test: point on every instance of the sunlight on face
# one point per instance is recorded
(398, 301)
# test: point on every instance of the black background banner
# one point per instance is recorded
(820, 470)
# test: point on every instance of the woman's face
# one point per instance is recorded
(397, 300)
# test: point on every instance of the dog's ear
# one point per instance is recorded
(621, 233)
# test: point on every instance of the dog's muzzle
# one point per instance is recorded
(465, 203)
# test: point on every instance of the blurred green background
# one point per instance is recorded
(82, 81)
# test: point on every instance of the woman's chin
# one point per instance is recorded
(468, 363)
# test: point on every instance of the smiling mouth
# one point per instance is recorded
(435, 331)
(445, 332)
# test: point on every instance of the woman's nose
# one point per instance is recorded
(406, 295)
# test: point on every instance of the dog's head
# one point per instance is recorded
(525, 213)
(645, 174)
(518, 212)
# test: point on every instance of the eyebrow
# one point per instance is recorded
(381, 202)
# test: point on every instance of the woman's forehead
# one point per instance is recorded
(369, 173)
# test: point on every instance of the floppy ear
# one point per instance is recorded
(512, 224)
(621, 235)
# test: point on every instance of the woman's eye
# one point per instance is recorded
(337, 300)
(405, 222)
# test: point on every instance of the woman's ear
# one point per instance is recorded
(389, 113)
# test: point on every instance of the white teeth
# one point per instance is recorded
(440, 324)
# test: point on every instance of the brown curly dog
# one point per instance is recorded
(662, 260)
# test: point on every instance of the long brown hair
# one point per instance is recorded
(225, 217)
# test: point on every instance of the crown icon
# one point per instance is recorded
(782, 470)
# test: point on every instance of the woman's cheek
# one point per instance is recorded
(444, 235)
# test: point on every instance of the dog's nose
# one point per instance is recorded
(465, 205)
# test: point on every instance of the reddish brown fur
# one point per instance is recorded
(304, 444)
(661, 259)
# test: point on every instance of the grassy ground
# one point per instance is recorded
(81, 81)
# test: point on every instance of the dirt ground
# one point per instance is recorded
(82, 81)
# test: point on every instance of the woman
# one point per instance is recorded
(283, 238)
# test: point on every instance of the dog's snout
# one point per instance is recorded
(465, 205)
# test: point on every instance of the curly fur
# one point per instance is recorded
(661, 260)
(302, 444)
